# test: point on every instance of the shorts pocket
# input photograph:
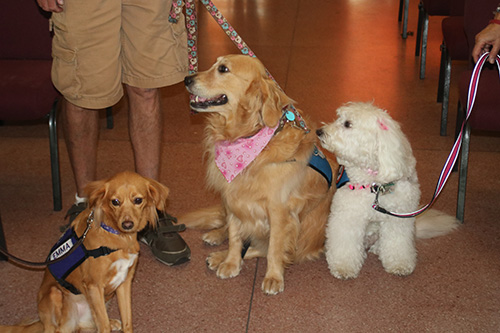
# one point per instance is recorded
(64, 70)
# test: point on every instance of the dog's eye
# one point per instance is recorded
(115, 202)
(137, 201)
(223, 69)
(347, 124)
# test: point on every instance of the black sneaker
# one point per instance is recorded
(165, 242)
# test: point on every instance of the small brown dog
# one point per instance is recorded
(273, 200)
(74, 291)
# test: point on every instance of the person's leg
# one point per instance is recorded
(145, 127)
(81, 133)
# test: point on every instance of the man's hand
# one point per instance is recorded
(487, 40)
(55, 6)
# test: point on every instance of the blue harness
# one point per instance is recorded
(61, 269)
(319, 163)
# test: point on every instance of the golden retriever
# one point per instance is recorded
(277, 204)
(118, 208)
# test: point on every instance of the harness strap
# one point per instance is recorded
(60, 270)
(319, 163)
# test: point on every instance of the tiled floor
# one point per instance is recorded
(323, 53)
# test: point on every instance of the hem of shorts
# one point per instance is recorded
(158, 82)
(94, 103)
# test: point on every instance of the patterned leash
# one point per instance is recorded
(292, 115)
(450, 162)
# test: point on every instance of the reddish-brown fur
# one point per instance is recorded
(278, 201)
(60, 310)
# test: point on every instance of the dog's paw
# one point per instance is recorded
(344, 272)
(228, 270)
(215, 237)
(401, 269)
(215, 259)
(116, 325)
(273, 285)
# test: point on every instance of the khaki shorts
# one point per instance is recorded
(100, 44)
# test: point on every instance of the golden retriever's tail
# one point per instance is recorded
(434, 223)
(207, 218)
(34, 327)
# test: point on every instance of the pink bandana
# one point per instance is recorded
(233, 157)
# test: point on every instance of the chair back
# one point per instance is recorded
(26, 90)
(485, 114)
(25, 31)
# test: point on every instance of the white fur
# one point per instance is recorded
(373, 149)
(122, 266)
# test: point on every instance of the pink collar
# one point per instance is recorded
(233, 157)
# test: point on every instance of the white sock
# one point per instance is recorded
(79, 200)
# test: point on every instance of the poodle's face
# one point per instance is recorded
(365, 137)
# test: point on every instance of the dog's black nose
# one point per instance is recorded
(319, 132)
(188, 80)
(127, 225)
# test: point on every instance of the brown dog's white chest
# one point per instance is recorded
(120, 268)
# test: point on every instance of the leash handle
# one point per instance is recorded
(455, 151)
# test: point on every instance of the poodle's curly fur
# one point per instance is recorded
(373, 150)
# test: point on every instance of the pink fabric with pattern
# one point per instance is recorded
(233, 157)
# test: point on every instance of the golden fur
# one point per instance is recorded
(278, 202)
(126, 202)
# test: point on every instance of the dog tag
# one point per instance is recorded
(290, 116)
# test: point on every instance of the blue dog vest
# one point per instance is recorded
(319, 163)
(61, 269)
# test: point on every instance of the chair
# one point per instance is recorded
(403, 14)
(455, 47)
(428, 8)
(26, 90)
(485, 114)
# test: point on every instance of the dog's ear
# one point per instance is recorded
(158, 193)
(96, 192)
(273, 102)
(394, 151)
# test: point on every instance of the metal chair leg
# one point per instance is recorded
(444, 54)
(419, 28)
(3, 244)
(54, 158)
(425, 33)
(109, 118)
(405, 18)
(446, 95)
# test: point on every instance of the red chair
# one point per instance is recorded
(26, 90)
(485, 115)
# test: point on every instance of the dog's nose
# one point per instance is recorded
(319, 132)
(188, 80)
(127, 225)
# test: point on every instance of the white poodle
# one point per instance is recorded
(376, 155)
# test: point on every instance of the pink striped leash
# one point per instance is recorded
(452, 158)
(192, 34)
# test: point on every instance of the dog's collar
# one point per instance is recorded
(292, 116)
(374, 188)
(343, 179)
(109, 229)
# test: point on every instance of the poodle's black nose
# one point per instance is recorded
(188, 80)
(319, 132)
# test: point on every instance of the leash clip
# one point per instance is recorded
(90, 220)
